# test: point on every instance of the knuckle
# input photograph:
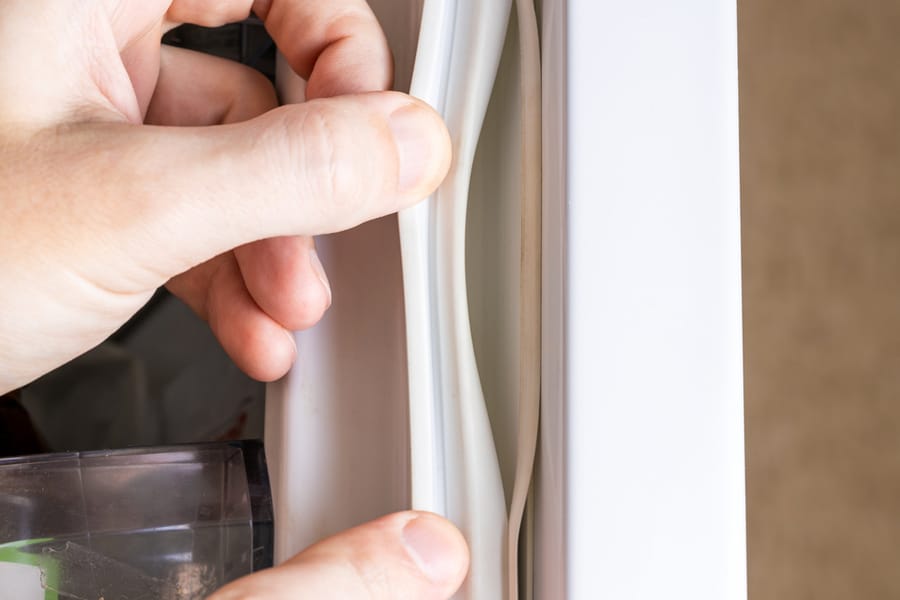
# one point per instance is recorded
(330, 165)
(373, 577)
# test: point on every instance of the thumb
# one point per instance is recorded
(164, 199)
(410, 555)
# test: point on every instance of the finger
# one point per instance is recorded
(136, 28)
(141, 59)
(342, 49)
(209, 13)
(286, 279)
(319, 167)
(60, 61)
(337, 46)
(282, 275)
(405, 556)
(199, 89)
(256, 343)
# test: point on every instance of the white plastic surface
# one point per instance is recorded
(336, 429)
(645, 409)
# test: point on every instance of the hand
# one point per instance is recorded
(98, 210)
(415, 556)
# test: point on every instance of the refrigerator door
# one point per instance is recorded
(640, 484)
(639, 487)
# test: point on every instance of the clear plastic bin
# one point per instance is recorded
(157, 523)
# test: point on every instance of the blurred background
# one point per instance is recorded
(820, 127)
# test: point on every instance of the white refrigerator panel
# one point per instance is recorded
(641, 483)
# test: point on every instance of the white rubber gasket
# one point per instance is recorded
(454, 469)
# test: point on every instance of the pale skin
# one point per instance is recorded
(125, 166)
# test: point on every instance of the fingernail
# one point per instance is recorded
(410, 129)
(290, 336)
(434, 552)
(316, 265)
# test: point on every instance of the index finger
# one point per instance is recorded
(337, 46)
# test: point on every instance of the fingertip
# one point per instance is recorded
(408, 554)
(423, 149)
(265, 352)
(317, 267)
(422, 145)
(286, 279)
(328, 165)
(257, 344)
(437, 548)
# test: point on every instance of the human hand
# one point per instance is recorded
(402, 556)
(98, 210)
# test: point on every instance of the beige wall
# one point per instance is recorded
(820, 93)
